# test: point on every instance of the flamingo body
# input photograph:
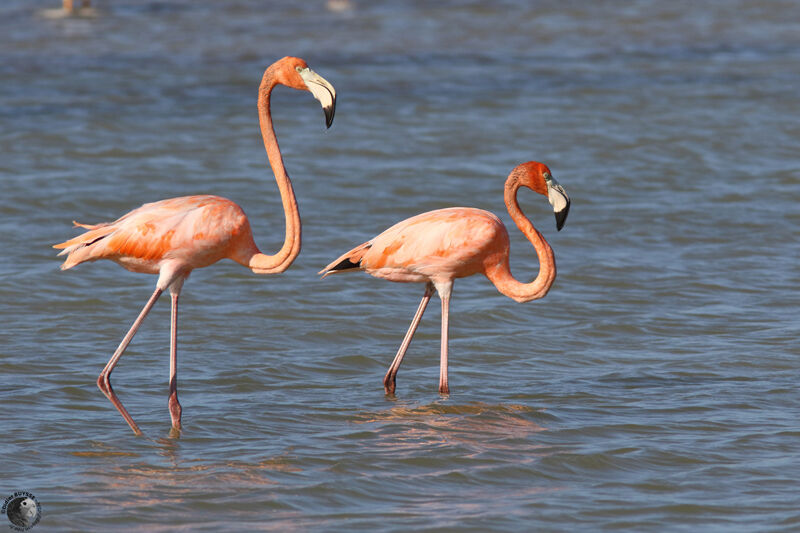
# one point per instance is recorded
(437, 247)
(189, 232)
(173, 237)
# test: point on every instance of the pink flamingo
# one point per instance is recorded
(439, 246)
(70, 7)
(172, 237)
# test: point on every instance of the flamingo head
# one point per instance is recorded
(294, 72)
(537, 177)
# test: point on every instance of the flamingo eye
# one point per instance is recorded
(298, 68)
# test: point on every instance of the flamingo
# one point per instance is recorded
(172, 237)
(439, 246)
(69, 6)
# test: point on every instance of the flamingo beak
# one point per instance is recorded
(559, 200)
(322, 91)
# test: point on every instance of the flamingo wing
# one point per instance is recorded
(195, 229)
(442, 244)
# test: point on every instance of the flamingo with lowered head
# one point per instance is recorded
(172, 237)
(439, 246)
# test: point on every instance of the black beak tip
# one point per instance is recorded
(330, 111)
(561, 217)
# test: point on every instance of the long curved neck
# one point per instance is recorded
(500, 272)
(272, 264)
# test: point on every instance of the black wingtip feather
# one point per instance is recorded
(344, 265)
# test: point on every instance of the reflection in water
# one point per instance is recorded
(173, 483)
(478, 427)
(145, 485)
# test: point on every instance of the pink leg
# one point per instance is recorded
(390, 380)
(174, 405)
(104, 379)
(444, 294)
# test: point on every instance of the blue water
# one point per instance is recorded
(653, 389)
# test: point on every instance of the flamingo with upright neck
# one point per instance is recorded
(439, 246)
(173, 237)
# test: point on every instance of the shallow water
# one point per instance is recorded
(653, 389)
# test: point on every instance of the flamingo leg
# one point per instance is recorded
(174, 404)
(444, 294)
(390, 380)
(104, 379)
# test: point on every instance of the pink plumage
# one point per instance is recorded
(440, 246)
(173, 237)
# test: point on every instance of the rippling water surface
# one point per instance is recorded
(653, 389)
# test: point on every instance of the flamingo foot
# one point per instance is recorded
(389, 384)
(175, 411)
(104, 384)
